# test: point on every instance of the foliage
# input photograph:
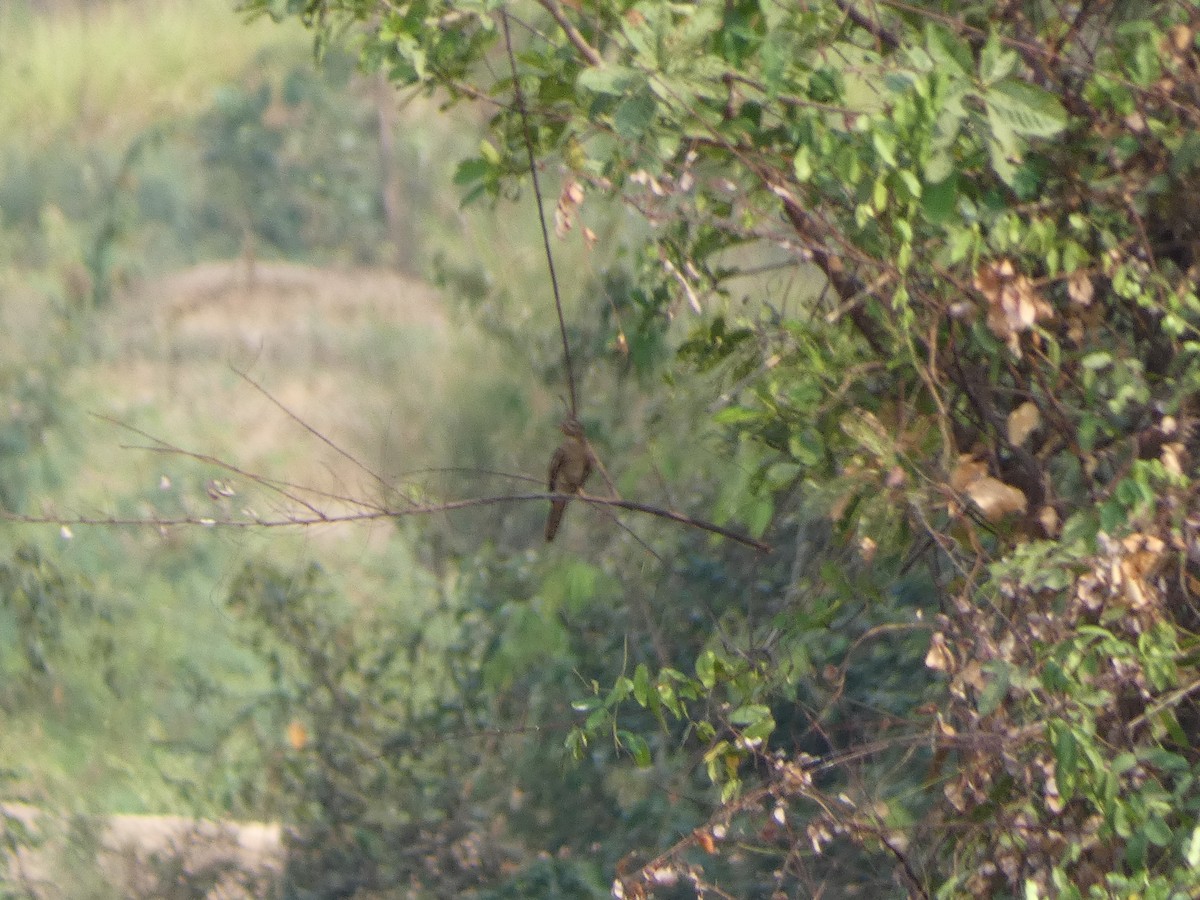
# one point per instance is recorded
(977, 434)
(43, 607)
(291, 165)
(371, 732)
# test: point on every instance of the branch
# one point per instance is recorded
(681, 518)
(519, 98)
(578, 41)
(320, 437)
(881, 34)
(319, 518)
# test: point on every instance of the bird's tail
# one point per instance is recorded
(557, 508)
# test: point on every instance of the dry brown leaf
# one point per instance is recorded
(867, 548)
(568, 203)
(1022, 421)
(1079, 287)
(297, 734)
(956, 795)
(1054, 801)
(972, 675)
(1182, 37)
(1014, 304)
(995, 499)
(1048, 519)
(968, 470)
(939, 658)
(1172, 458)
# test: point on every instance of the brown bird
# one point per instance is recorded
(569, 469)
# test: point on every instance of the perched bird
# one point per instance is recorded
(569, 469)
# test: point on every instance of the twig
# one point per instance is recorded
(519, 98)
(679, 517)
(578, 41)
(320, 437)
(164, 447)
(417, 509)
(881, 34)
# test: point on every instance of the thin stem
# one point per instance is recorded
(537, 191)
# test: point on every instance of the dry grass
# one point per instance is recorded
(108, 71)
(365, 357)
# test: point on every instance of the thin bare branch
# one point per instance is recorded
(345, 454)
(865, 22)
(417, 509)
(165, 447)
(519, 98)
(578, 41)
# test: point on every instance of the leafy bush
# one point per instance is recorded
(989, 400)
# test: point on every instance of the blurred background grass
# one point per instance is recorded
(184, 197)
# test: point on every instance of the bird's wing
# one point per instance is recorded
(588, 462)
(556, 464)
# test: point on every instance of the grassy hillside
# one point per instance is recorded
(104, 72)
(143, 670)
(232, 219)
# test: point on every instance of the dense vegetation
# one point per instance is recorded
(908, 290)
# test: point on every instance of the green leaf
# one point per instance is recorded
(1004, 148)
(613, 80)
(911, 182)
(635, 115)
(637, 747)
(1192, 854)
(595, 719)
(1066, 755)
(1135, 850)
(759, 730)
(948, 50)
(880, 195)
(995, 62)
(1123, 762)
(749, 714)
(759, 516)
(802, 164)
(736, 415)
(489, 153)
(939, 201)
(807, 448)
(1097, 360)
(885, 146)
(469, 171)
(666, 694)
(1026, 109)
(642, 690)
(995, 690)
(706, 669)
(621, 689)
(1157, 831)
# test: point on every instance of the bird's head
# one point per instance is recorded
(571, 427)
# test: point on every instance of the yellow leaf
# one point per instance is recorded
(938, 658)
(995, 499)
(297, 734)
(1022, 421)
(968, 470)
(1079, 287)
(1048, 519)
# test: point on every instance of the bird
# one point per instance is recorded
(570, 467)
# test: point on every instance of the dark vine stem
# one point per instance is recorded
(519, 99)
